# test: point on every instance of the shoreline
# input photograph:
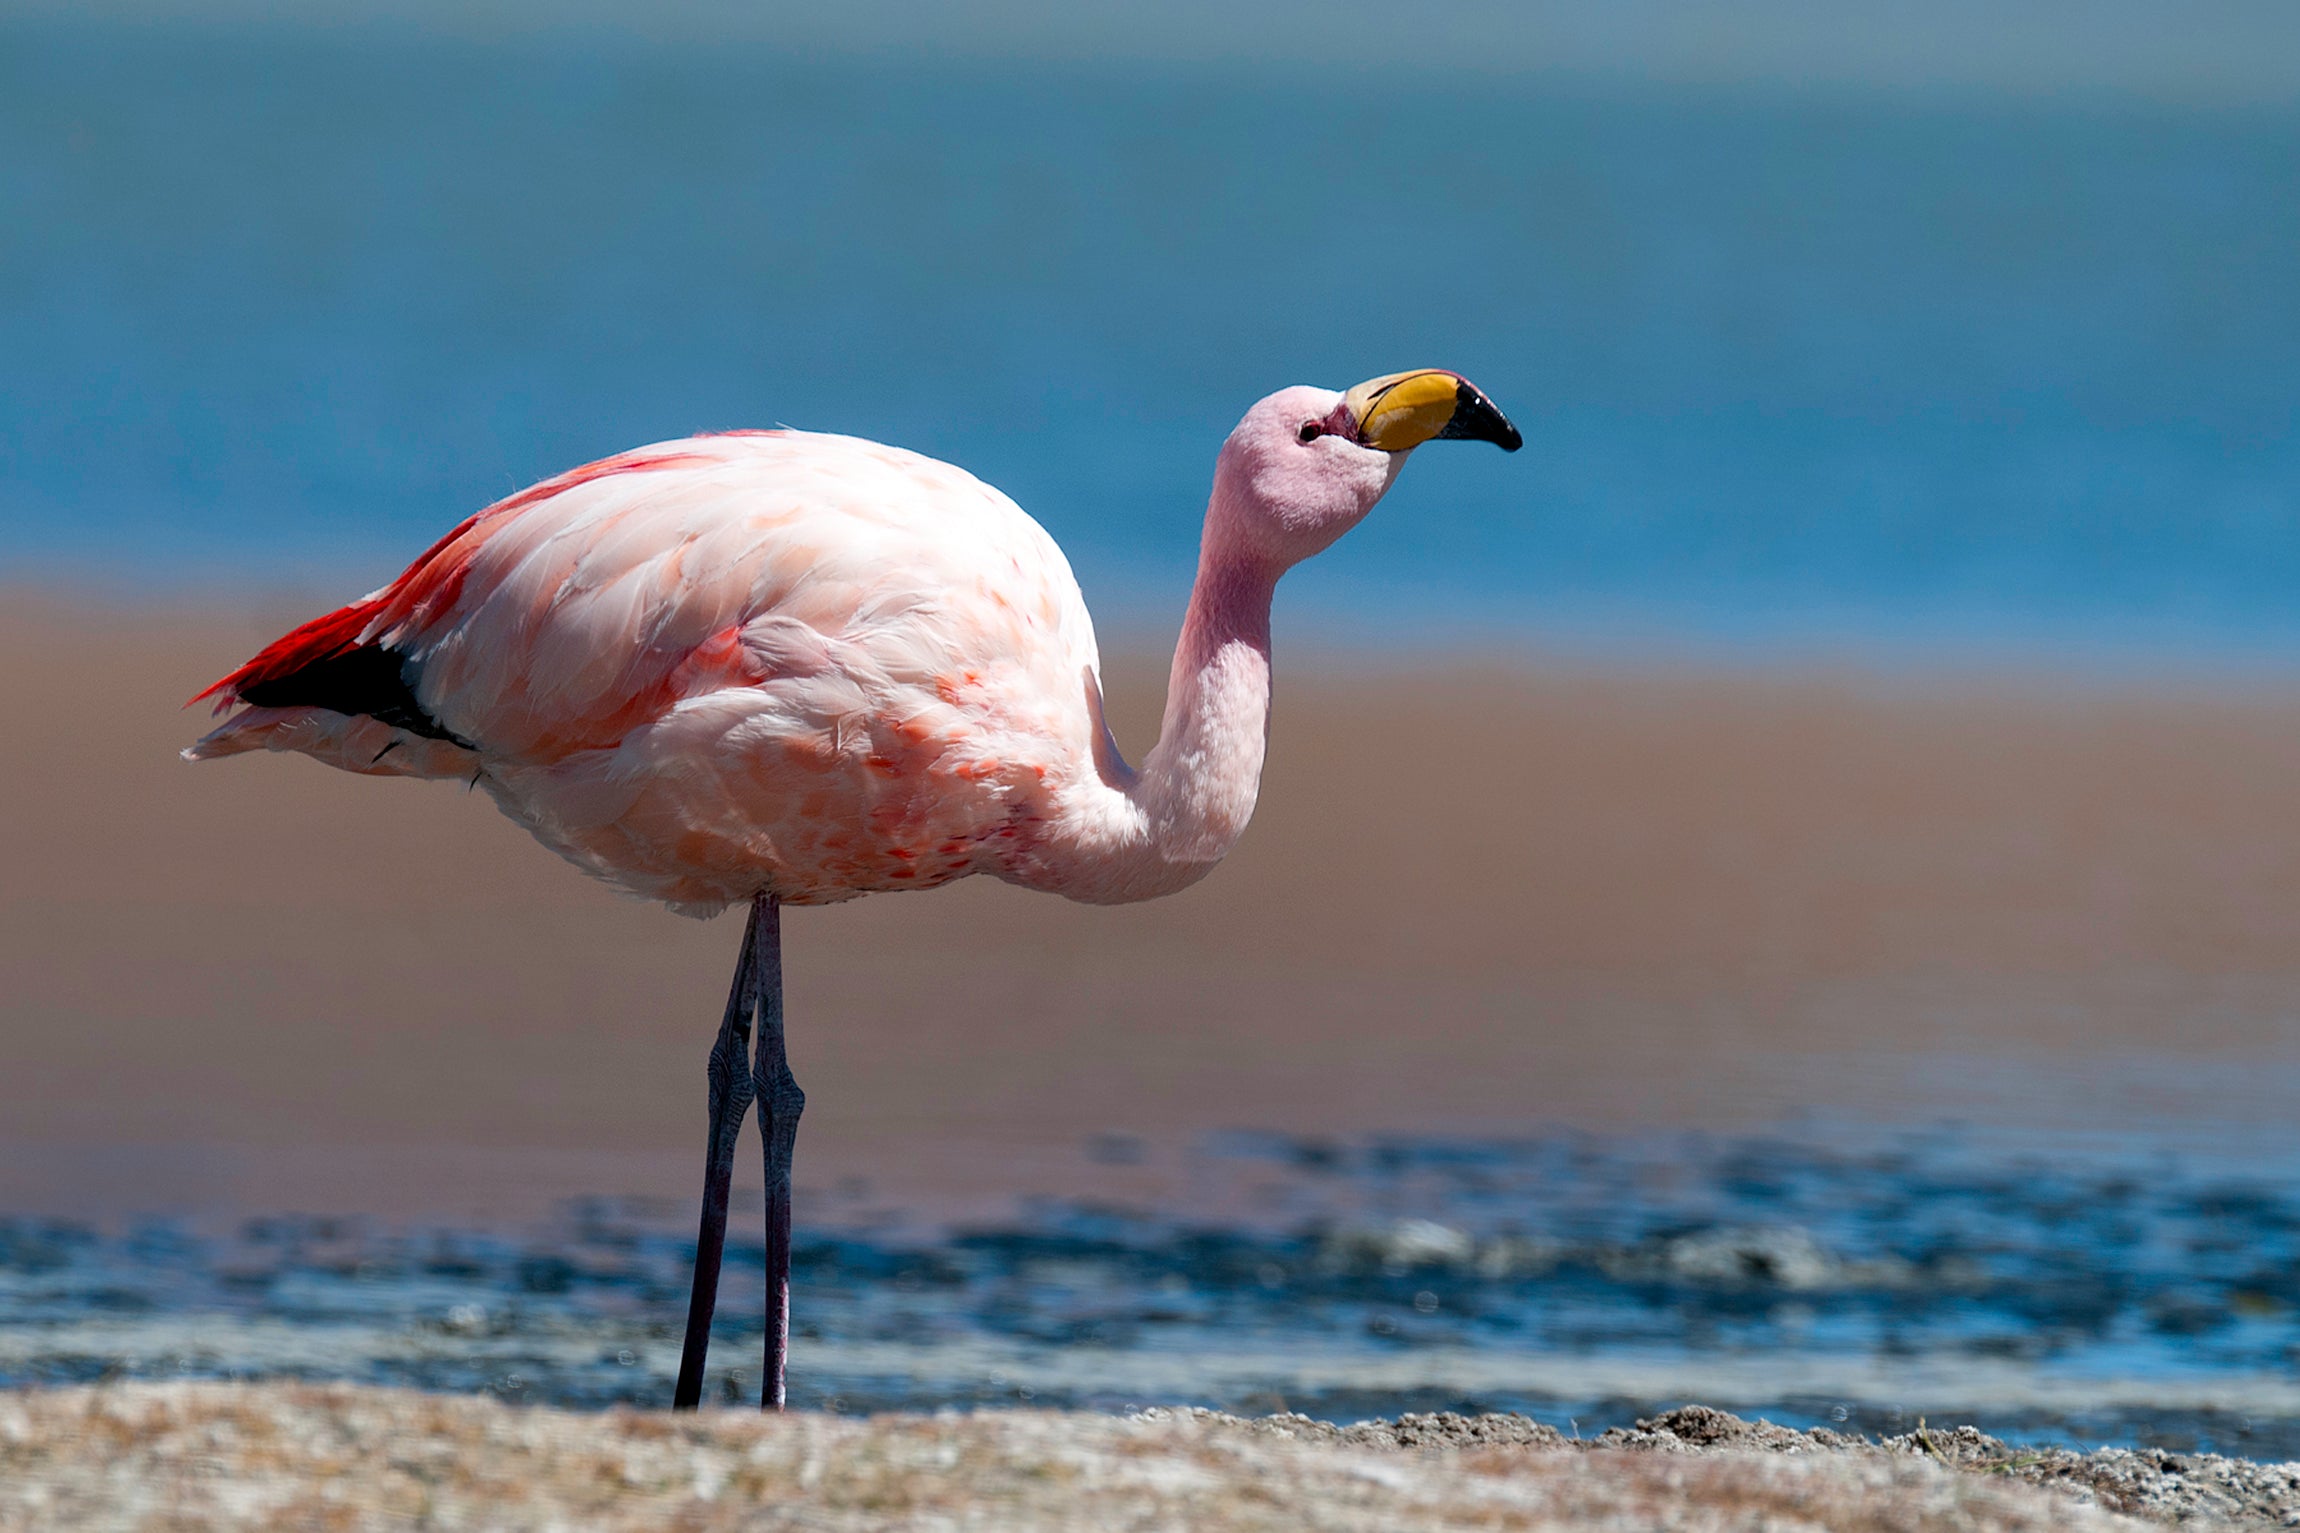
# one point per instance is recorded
(263, 1455)
(1473, 900)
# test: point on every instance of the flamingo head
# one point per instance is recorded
(1306, 465)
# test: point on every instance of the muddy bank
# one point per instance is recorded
(221, 1456)
(1474, 898)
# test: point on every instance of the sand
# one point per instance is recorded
(1477, 898)
(162, 1456)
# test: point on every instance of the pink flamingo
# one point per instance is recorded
(785, 668)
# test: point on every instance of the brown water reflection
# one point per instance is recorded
(1475, 900)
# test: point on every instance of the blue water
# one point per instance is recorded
(279, 304)
(1863, 1282)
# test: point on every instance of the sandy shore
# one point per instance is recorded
(225, 1456)
(1474, 900)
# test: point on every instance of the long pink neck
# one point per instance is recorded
(1134, 835)
(1198, 784)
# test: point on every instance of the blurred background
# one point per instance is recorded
(1782, 892)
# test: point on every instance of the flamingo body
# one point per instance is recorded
(785, 668)
(775, 660)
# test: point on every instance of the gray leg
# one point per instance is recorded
(780, 1103)
(730, 1100)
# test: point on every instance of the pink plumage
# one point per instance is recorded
(818, 667)
(775, 660)
(786, 668)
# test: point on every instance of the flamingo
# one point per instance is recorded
(783, 668)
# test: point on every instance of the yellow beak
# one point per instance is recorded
(1405, 410)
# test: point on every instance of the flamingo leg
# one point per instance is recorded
(730, 1101)
(780, 1103)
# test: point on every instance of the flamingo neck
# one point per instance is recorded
(1197, 786)
(1129, 835)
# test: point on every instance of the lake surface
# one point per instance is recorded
(279, 305)
(1831, 1277)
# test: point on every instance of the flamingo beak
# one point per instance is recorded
(1404, 410)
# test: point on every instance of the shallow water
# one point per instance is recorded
(2043, 1292)
(295, 300)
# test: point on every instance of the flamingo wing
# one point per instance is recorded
(713, 666)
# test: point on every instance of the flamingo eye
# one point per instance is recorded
(1310, 431)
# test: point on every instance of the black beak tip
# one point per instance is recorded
(1475, 419)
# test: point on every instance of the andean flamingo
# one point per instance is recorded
(787, 668)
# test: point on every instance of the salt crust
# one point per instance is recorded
(167, 1456)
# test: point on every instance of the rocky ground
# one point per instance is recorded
(165, 1456)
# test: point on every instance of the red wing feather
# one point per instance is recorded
(432, 582)
(320, 639)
